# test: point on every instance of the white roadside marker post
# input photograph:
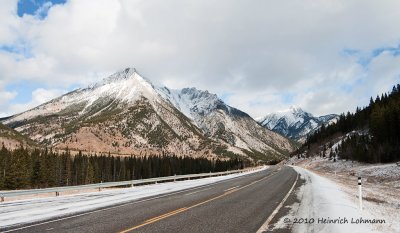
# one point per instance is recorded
(360, 192)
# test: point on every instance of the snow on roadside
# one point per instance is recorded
(381, 183)
(324, 202)
(28, 211)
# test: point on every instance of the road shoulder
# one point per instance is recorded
(320, 205)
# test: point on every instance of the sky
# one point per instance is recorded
(261, 56)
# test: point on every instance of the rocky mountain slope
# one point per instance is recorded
(12, 139)
(222, 122)
(295, 123)
(126, 114)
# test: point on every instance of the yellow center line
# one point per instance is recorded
(231, 188)
(166, 215)
(156, 219)
(175, 212)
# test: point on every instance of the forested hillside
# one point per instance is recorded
(22, 168)
(372, 133)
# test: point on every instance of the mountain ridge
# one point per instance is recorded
(125, 113)
(295, 123)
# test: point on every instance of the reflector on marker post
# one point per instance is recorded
(360, 192)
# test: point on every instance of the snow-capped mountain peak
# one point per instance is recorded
(124, 75)
(126, 86)
(126, 113)
(192, 102)
(294, 122)
(292, 115)
(126, 82)
(295, 109)
(221, 121)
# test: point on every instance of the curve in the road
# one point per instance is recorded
(238, 205)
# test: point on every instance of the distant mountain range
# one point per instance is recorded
(126, 114)
(295, 123)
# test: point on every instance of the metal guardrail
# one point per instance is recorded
(99, 186)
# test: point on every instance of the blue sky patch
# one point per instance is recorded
(9, 49)
(24, 90)
(225, 96)
(31, 7)
(346, 88)
(20, 48)
(365, 58)
(287, 98)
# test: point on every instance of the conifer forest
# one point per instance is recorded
(24, 169)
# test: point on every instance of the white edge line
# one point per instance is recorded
(129, 203)
(264, 227)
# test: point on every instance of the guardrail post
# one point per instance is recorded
(132, 184)
(360, 192)
(175, 178)
(100, 185)
(2, 199)
(57, 194)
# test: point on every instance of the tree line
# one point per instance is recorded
(378, 127)
(24, 169)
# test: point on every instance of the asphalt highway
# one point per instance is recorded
(242, 204)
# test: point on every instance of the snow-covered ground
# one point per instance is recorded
(27, 211)
(331, 191)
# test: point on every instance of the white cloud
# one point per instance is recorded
(39, 96)
(384, 72)
(6, 96)
(8, 21)
(256, 51)
(41, 12)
